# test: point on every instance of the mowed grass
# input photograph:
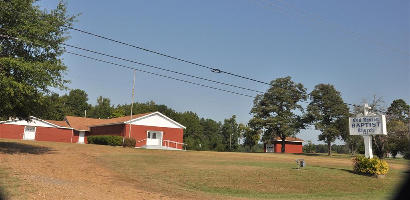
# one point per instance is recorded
(250, 175)
(211, 175)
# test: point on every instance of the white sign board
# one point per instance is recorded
(368, 125)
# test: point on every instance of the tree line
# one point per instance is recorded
(31, 65)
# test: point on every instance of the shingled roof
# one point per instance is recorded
(59, 123)
(84, 124)
(289, 139)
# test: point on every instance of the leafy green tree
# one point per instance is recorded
(353, 142)
(251, 136)
(193, 134)
(30, 61)
(76, 102)
(398, 138)
(103, 109)
(399, 110)
(230, 133)
(212, 136)
(329, 113)
(309, 147)
(274, 112)
(54, 108)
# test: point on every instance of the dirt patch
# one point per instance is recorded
(67, 173)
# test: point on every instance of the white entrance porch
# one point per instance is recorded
(154, 138)
(29, 133)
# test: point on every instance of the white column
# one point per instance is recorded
(368, 146)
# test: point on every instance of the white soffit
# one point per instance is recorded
(155, 119)
(33, 122)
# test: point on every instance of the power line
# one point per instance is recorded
(133, 68)
(156, 74)
(161, 68)
(213, 69)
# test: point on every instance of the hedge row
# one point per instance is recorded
(370, 166)
(112, 140)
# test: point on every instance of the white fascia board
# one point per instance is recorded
(37, 119)
(51, 124)
(156, 113)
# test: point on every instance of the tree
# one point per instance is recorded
(76, 102)
(230, 133)
(353, 142)
(274, 111)
(193, 137)
(30, 61)
(309, 147)
(251, 136)
(103, 109)
(54, 108)
(329, 113)
(211, 135)
(399, 110)
(398, 138)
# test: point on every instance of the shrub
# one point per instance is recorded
(370, 166)
(129, 142)
(112, 140)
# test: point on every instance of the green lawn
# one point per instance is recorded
(249, 175)
(189, 174)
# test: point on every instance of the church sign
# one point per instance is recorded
(368, 125)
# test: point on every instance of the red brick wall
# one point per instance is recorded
(11, 131)
(53, 134)
(140, 132)
(77, 135)
(290, 147)
(116, 129)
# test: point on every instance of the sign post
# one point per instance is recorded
(367, 125)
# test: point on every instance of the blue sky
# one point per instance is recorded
(361, 47)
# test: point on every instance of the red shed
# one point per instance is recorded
(292, 145)
(36, 129)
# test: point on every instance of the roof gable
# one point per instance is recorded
(155, 119)
(37, 122)
(84, 124)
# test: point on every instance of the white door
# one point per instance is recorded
(269, 148)
(81, 137)
(29, 133)
(154, 138)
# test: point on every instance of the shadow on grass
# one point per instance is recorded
(3, 195)
(14, 147)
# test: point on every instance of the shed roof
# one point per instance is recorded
(289, 139)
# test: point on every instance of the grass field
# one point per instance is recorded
(58, 171)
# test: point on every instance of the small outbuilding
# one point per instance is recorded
(292, 145)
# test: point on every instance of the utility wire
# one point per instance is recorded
(151, 66)
(161, 68)
(156, 74)
(133, 68)
(213, 69)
